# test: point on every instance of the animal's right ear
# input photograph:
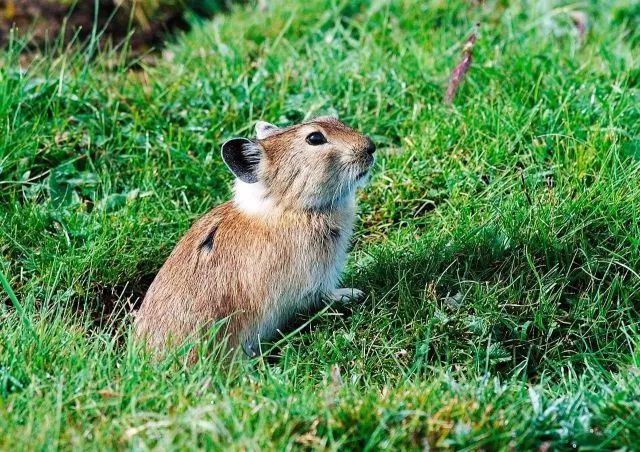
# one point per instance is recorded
(265, 129)
(242, 156)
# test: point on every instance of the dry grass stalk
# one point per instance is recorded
(459, 72)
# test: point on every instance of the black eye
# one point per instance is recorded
(316, 138)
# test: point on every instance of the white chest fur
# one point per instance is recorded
(252, 198)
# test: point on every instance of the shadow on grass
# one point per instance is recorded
(504, 301)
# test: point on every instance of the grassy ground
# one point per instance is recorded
(499, 239)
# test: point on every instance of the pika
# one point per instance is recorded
(276, 250)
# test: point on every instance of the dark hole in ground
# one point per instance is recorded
(109, 305)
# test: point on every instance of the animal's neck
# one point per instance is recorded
(254, 200)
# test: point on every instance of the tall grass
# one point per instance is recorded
(498, 240)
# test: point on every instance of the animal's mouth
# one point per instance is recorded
(362, 174)
(365, 171)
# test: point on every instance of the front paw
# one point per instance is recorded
(346, 295)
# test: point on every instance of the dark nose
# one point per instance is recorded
(370, 147)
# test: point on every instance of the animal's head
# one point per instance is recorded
(315, 165)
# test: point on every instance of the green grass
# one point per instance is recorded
(498, 240)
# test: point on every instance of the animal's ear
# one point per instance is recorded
(330, 117)
(264, 129)
(242, 156)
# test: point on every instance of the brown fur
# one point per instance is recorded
(258, 268)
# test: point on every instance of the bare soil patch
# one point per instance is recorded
(44, 21)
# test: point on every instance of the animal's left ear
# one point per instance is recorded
(264, 129)
(242, 156)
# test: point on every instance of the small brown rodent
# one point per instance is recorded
(276, 250)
